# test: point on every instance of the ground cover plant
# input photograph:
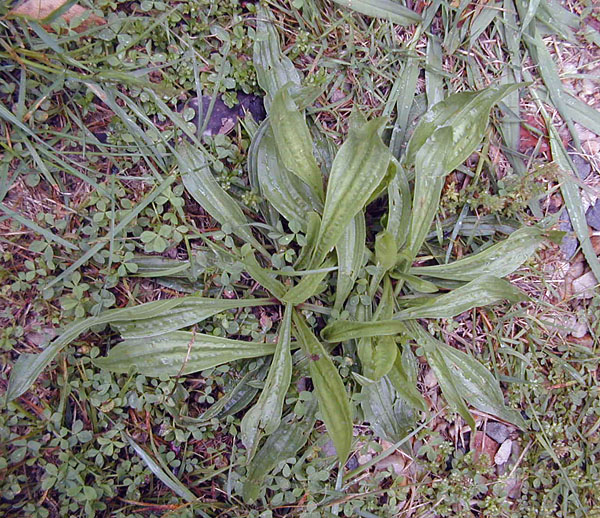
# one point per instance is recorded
(319, 301)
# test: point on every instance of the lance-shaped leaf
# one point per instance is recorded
(291, 197)
(265, 416)
(430, 169)
(202, 186)
(334, 404)
(350, 250)
(29, 366)
(189, 311)
(389, 414)
(385, 9)
(312, 233)
(469, 378)
(273, 69)
(264, 277)
(358, 168)
(399, 207)
(498, 260)
(467, 113)
(480, 292)
(180, 352)
(403, 375)
(377, 354)
(294, 143)
(282, 444)
(308, 287)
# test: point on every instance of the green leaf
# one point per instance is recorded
(388, 413)
(399, 207)
(430, 168)
(264, 277)
(334, 404)
(479, 292)
(292, 198)
(29, 366)
(386, 9)
(294, 142)
(265, 416)
(202, 186)
(415, 283)
(358, 168)
(167, 478)
(189, 311)
(273, 69)
(471, 380)
(179, 352)
(498, 260)
(403, 375)
(467, 114)
(283, 443)
(350, 250)
(308, 287)
(385, 250)
(571, 194)
(312, 233)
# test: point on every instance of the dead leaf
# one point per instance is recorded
(42, 9)
(484, 444)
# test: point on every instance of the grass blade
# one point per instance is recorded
(386, 9)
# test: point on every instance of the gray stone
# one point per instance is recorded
(582, 166)
(497, 431)
(592, 216)
(569, 243)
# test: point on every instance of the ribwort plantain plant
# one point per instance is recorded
(328, 202)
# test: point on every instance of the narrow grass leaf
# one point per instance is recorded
(283, 443)
(202, 186)
(294, 142)
(44, 232)
(334, 404)
(498, 260)
(385, 9)
(357, 170)
(265, 416)
(179, 352)
(168, 479)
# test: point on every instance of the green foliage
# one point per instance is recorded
(322, 240)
